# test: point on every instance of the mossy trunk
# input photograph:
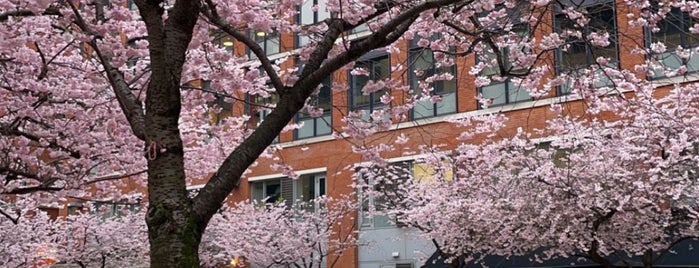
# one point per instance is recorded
(174, 230)
(172, 244)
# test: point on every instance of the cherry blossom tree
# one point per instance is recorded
(97, 95)
(273, 234)
(615, 184)
(94, 91)
(84, 239)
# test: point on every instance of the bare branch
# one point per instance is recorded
(129, 103)
(28, 13)
(114, 177)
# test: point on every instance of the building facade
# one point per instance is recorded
(325, 162)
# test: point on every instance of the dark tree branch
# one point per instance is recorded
(115, 177)
(593, 253)
(129, 103)
(52, 10)
(34, 189)
(14, 220)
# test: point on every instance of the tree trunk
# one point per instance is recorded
(173, 230)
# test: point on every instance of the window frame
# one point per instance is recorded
(590, 59)
(508, 87)
(414, 54)
(683, 31)
(318, 16)
(374, 101)
(294, 195)
(368, 204)
(314, 122)
(267, 39)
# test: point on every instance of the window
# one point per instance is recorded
(378, 189)
(258, 107)
(360, 29)
(304, 189)
(75, 207)
(579, 53)
(383, 193)
(320, 125)
(110, 209)
(502, 90)
(422, 67)
(368, 71)
(308, 188)
(269, 191)
(131, 5)
(223, 108)
(269, 42)
(673, 31)
(222, 39)
(307, 17)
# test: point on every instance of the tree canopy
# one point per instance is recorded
(98, 96)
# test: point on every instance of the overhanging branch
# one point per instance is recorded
(28, 13)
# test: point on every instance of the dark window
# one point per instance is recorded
(673, 31)
(300, 191)
(376, 69)
(258, 107)
(578, 53)
(319, 125)
(422, 67)
(501, 89)
(223, 108)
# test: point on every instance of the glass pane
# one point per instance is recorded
(381, 69)
(272, 45)
(360, 28)
(422, 67)
(324, 97)
(670, 30)
(321, 186)
(423, 109)
(489, 57)
(322, 13)
(448, 104)
(305, 188)
(322, 125)
(575, 57)
(257, 191)
(307, 16)
(495, 92)
(382, 221)
(693, 63)
(517, 94)
(303, 40)
(306, 130)
(378, 69)
(358, 98)
(446, 86)
(273, 191)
